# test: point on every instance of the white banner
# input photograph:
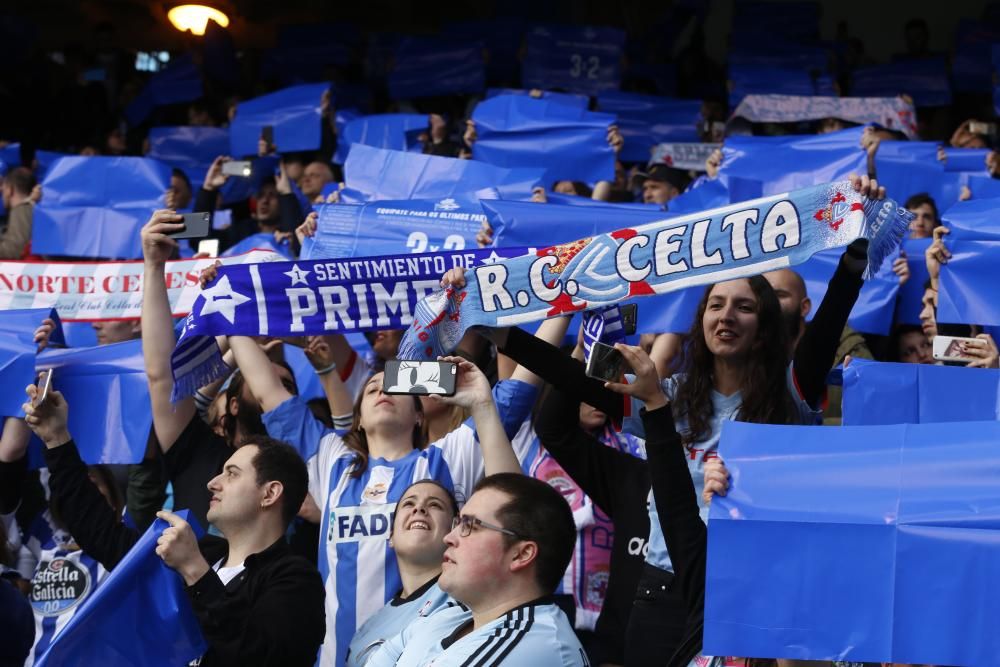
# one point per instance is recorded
(89, 291)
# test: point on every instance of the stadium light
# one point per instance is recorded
(195, 18)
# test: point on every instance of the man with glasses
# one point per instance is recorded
(507, 552)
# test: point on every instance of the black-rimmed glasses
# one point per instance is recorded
(468, 522)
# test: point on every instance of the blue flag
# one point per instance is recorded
(924, 80)
(909, 167)
(570, 99)
(179, 82)
(17, 355)
(388, 130)
(189, 148)
(294, 113)
(143, 595)
(918, 393)
(432, 67)
(909, 300)
(966, 159)
(106, 386)
(578, 59)
(838, 533)
(647, 120)
(373, 174)
(519, 131)
(95, 206)
(396, 227)
(967, 291)
(983, 186)
(261, 241)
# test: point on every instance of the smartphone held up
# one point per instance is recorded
(421, 378)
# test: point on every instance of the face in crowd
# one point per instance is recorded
(423, 517)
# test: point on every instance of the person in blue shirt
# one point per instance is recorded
(506, 555)
(423, 517)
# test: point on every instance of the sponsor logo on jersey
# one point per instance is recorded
(59, 585)
(353, 524)
(375, 492)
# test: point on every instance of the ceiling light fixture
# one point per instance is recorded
(195, 18)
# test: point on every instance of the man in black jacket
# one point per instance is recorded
(256, 603)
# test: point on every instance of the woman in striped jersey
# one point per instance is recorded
(356, 480)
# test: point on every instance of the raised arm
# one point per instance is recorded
(169, 419)
(259, 373)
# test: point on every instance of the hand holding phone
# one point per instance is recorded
(605, 363)
(240, 168)
(952, 348)
(44, 384)
(196, 226)
(420, 378)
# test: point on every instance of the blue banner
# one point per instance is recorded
(909, 167)
(570, 99)
(432, 67)
(647, 120)
(972, 220)
(758, 166)
(143, 595)
(375, 174)
(966, 159)
(189, 148)
(839, 532)
(179, 82)
(396, 227)
(569, 143)
(310, 297)
(983, 186)
(294, 113)
(17, 355)
(967, 292)
(387, 130)
(261, 241)
(918, 393)
(106, 389)
(577, 59)
(95, 206)
(909, 300)
(924, 80)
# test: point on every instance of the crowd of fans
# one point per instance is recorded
(537, 517)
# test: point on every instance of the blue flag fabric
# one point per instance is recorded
(106, 388)
(759, 166)
(17, 354)
(396, 227)
(983, 186)
(143, 595)
(578, 59)
(519, 131)
(179, 82)
(918, 393)
(431, 67)
(45, 160)
(839, 531)
(965, 159)
(95, 206)
(570, 99)
(924, 80)
(909, 167)
(647, 120)
(309, 297)
(293, 112)
(967, 291)
(261, 241)
(657, 258)
(909, 300)
(381, 131)
(973, 220)
(375, 173)
(190, 148)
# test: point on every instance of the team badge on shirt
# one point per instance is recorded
(58, 586)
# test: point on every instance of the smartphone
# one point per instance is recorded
(977, 127)
(209, 247)
(419, 377)
(267, 134)
(44, 383)
(241, 168)
(949, 348)
(605, 363)
(629, 313)
(195, 226)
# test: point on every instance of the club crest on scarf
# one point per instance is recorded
(837, 210)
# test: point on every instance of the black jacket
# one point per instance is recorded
(272, 613)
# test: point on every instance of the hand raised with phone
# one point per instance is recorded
(48, 419)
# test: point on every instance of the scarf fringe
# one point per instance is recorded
(885, 225)
(205, 373)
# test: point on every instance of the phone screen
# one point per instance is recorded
(419, 377)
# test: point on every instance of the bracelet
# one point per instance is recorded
(326, 371)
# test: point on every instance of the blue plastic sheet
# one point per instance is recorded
(293, 112)
(975, 219)
(759, 166)
(909, 300)
(571, 99)
(189, 148)
(983, 186)
(261, 241)
(909, 167)
(105, 387)
(842, 534)
(375, 174)
(179, 82)
(918, 393)
(647, 120)
(578, 59)
(925, 81)
(518, 131)
(17, 356)
(387, 130)
(968, 289)
(45, 160)
(95, 206)
(143, 595)
(430, 67)
(708, 194)
(396, 227)
(966, 159)
(873, 311)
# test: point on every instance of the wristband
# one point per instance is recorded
(325, 371)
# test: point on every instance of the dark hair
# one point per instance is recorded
(580, 189)
(896, 337)
(179, 173)
(452, 502)
(276, 461)
(920, 199)
(357, 440)
(21, 180)
(539, 513)
(766, 399)
(249, 420)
